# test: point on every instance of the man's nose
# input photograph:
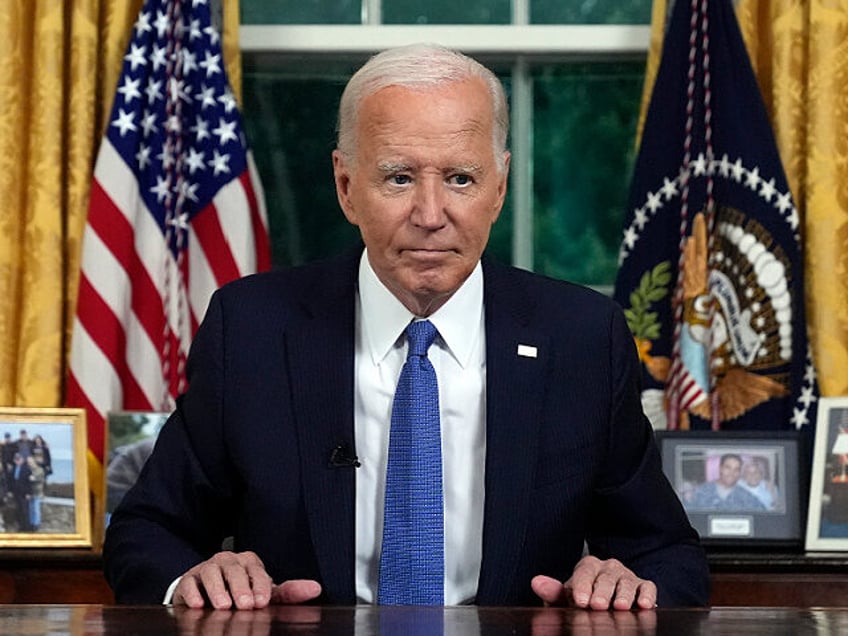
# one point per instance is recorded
(429, 203)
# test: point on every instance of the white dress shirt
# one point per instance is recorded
(459, 358)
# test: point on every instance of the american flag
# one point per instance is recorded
(176, 210)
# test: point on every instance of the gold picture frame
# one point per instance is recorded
(44, 489)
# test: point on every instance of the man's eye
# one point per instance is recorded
(400, 179)
(461, 179)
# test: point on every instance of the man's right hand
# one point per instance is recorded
(238, 580)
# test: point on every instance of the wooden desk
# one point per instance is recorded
(95, 620)
(52, 576)
(770, 579)
(741, 579)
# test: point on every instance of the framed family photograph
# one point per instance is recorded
(129, 442)
(44, 481)
(738, 488)
(827, 521)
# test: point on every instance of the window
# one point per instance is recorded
(573, 73)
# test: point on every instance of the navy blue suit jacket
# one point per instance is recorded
(247, 453)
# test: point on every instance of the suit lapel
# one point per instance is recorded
(321, 358)
(515, 384)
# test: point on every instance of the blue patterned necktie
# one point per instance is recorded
(412, 563)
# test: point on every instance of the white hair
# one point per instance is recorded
(418, 66)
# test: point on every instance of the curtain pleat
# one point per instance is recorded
(799, 49)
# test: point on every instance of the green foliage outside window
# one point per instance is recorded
(584, 125)
(590, 11)
(445, 12)
(300, 11)
(290, 123)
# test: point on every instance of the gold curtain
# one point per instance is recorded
(658, 21)
(799, 51)
(60, 65)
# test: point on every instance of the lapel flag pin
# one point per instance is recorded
(526, 351)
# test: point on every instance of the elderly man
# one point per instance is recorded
(525, 440)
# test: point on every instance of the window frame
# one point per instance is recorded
(526, 40)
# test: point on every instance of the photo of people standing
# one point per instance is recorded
(36, 481)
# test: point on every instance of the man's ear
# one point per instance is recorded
(342, 177)
(502, 186)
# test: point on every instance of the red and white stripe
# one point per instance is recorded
(133, 297)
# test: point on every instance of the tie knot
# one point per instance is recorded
(420, 335)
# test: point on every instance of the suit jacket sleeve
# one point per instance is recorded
(166, 523)
(636, 515)
(245, 453)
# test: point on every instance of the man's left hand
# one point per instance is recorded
(598, 585)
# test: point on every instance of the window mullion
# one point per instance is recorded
(521, 166)
(372, 12)
(521, 11)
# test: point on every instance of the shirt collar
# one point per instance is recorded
(384, 318)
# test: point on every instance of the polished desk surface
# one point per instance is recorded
(92, 620)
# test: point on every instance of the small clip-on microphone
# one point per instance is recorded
(341, 457)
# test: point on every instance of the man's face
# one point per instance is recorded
(729, 472)
(752, 474)
(424, 187)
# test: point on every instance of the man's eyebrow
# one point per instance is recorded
(472, 168)
(389, 167)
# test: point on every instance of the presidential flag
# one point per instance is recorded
(710, 267)
(176, 210)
